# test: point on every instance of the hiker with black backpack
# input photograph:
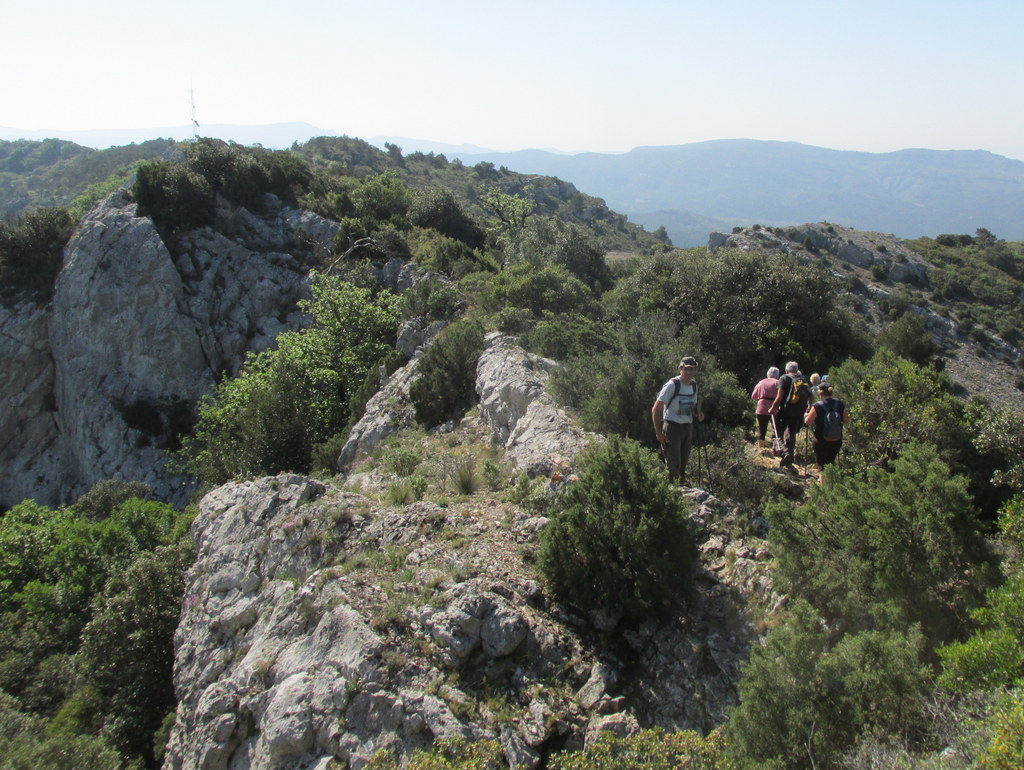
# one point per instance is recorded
(826, 418)
(789, 408)
(673, 413)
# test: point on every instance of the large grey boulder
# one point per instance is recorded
(100, 383)
(538, 436)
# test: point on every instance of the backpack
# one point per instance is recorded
(799, 391)
(832, 422)
(675, 393)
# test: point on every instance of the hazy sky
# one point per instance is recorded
(559, 74)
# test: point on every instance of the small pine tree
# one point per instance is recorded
(619, 541)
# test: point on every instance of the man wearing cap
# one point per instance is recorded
(673, 414)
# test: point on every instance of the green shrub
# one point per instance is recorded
(553, 289)
(288, 400)
(618, 541)
(569, 335)
(445, 386)
(433, 300)
(805, 699)
(1005, 750)
(134, 623)
(31, 252)
(437, 208)
(176, 196)
(994, 655)
(401, 461)
(106, 495)
(649, 750)
(446, 754)
(885, 548)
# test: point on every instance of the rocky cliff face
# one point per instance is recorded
(99, 383)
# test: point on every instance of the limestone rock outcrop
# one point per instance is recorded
(319, 627)
(99, 383)
(537, 435)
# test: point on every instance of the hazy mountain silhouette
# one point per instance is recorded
(694, 188)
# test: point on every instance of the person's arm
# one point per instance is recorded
(810, 415)
(657, 414)
(778, 398)
(698, 412)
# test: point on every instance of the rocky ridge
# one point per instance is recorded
(321, 625)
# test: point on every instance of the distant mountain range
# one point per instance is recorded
(692, 189)
(695, 189)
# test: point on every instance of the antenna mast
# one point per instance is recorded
(195, 123)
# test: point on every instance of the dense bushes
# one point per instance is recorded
(750, 310)
(618, 541)
(181, 195)
(83, 588)
(445, 386)
(286, 401)
(885, 549)
(31, 252)
(806, 697)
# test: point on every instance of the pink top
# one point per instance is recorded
(764, 394)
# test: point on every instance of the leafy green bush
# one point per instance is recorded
(994, 655)
(436, 208)
(31, 252)
(750, 310)
(618, 540)
(569, 335)
(649, 750)
(551, 289)
(805, 698)
(1005, 750)
(134, 623)
(447, 754)
(83, 586)
(286, 401)
(445, 386)
(26, 742)
(432, 299)
(442, 254)
(908, 338)
(176, 196)
(106, 495)
(885, 549)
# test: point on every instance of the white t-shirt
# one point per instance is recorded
(682, 406)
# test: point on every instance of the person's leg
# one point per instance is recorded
(685, 443)
(762, 428)
(672, 447)
(790, 431)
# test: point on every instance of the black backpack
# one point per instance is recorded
(832, 421)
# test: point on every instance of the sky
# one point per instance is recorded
(566, 75)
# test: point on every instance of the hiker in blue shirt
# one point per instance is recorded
(673, 414)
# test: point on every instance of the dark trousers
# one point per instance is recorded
(791, 425)
(677, 448)
(825, 452)
(762, 425)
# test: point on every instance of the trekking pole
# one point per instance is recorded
(707, 457)
(807, 432)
